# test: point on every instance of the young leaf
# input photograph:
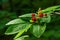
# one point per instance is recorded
(50, 9)
(37, 30)
(22, 37)
(13, 29)
(22, 31)
(15, 21)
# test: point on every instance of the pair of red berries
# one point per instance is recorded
(40, 15)
(33, 17)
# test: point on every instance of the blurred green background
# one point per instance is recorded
(11, 9)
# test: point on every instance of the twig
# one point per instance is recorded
(55, 13)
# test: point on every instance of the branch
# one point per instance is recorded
(56, 13)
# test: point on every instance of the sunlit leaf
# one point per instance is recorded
(27, 15)
(13, 29)
(37, 30)
(50, 9)
(22, 37)
(15, 21)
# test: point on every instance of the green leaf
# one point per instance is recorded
(37, 30)
(27, 15)
(50, 9)
(22, 37)
(15, 21)
(13, 29)
(23, 30)
(46, 19)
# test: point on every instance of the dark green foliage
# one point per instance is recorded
(5, 17)
(10, 9)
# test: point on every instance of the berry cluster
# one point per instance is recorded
(35, 18)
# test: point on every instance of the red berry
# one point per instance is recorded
(33, 15)
(45, 14)
(34, 19)
(40, 15)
